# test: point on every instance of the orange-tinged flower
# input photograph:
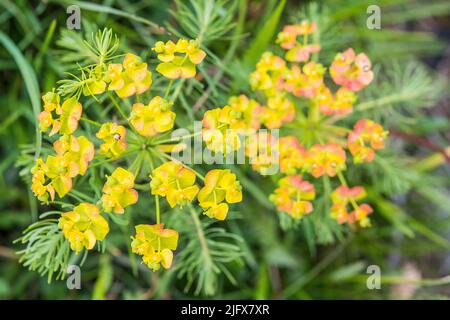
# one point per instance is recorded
(175, 182)
(301, 53)
(118, 192)
(129, 78)
(155, 244)
(292, 154)
(217, 133)
(288, 37)
(351, 71)
(293, 196)
(71, 113)
(113, 136)
(173, 64)
(38, 182)
(83, 226)
(366, 137)
(305, 81)
(244, 116)
(220, 186)
(279, 111)
(63, 119)
(325, 159)
(154, 118)
(77, 152)
(342, 197)
(341, 103)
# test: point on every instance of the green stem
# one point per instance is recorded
(116, 104)
(200, 233)
(176, 139)
(168, 89)
(95, 123)
(158, 210)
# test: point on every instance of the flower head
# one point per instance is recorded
(178, 60)
(217, 132)
(341, 103)
(325, 159)
(129, 78)
(293, 196)
(155, 244)
(269, 74)
(351, 71)
(305, 82)
(244, 115)
(175, 182)
(63, 119)
(118, 192)
(366, 137)
(221, 187)
(288, 37)
(154, 118)
(278, 112)
(113, 136)
(343, 196)
(292, 154)
(83, 226)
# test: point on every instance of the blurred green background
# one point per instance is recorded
(270, 258)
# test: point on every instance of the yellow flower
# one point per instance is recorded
(96, 83)
(292, 154)
(114, 140)
(325, 159)
(41, 190)
(269, 74)
(220, 186)
(118, 192)
(245, 114)
(129, 78)
(77, 152)
(63, 119)
(216, 132)
(279, 111)
(175, 66)
(154, 118)
(175, 182)
(83, 226)
(155, 244)
(306, 81)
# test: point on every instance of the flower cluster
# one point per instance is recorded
(315, 146)
(142, 146)
(178, 59)
(55, 174)
(342, 197)
(63, 118)
(294, 196)
(129, 78)
(83, 226)
(154, 118)
(221, 187)
(114, 140)
(118, 192)
(155, 244)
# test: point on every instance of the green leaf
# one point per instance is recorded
(31, 83)
(264, 36)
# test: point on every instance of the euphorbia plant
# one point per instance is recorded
(135, 136)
